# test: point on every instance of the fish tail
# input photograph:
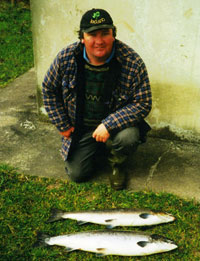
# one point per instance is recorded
(56, 214)
(41, 240)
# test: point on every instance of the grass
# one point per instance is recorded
(25, 203)
(16, 52)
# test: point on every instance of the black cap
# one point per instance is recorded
(95, 19)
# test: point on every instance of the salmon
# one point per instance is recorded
(114, 217)
(110, 242)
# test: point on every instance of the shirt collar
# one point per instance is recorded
(107, 61)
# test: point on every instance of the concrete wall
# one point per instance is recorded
(166, 34)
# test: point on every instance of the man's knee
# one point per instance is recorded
(78, 173)
(126, 139)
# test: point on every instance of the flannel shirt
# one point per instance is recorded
(131, 98)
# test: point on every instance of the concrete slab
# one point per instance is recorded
(159, 165)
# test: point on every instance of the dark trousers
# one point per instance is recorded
(81, 163)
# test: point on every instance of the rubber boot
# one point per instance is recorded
(118, 177)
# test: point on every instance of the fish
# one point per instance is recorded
(114, 217)
(110, 242)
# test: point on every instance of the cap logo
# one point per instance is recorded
(96, 15)
(97, 21)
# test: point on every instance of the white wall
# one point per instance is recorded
(166, 34)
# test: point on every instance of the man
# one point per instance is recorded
(97, 93)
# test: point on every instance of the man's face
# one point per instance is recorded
(98, 45)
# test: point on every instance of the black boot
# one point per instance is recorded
(118, 177)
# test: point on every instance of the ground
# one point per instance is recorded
(34, 147)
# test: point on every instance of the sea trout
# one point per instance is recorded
(114, 217)
(123, 243)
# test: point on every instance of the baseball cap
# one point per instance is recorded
(95, 19)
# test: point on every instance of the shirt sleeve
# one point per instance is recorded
(132, 108)
(52, 96)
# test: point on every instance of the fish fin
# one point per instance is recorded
(80, 222)
(142, 243)
(69, 249)
(110, 226)
(109, 220)
(100, 250)
(41, 240)
(56, 214)
(100, 254)
(144, 215)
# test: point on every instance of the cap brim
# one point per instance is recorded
(97, 27)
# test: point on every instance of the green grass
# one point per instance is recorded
(16, 52)
(25, 204)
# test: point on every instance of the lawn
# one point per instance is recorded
(25, 203)
(16, 52)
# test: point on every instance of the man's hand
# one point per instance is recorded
(67, 133)
(101, 134)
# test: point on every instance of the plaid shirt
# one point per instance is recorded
(131, 98)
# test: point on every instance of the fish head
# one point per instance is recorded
(162, 244)
(156, 244)
(153, 218)
(164, 217)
